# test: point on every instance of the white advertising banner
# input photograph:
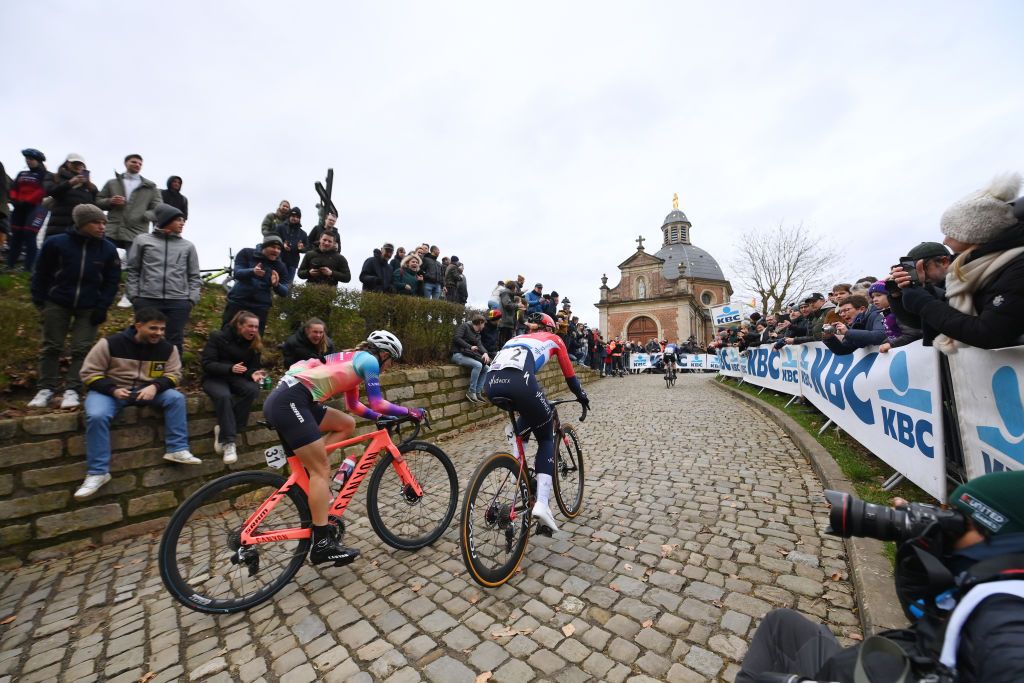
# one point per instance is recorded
(775, 369)
(711, 362)
(639, 361)
(726, 314)
(990, 408)
(730, 362)
(889, 402)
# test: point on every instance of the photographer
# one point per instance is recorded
(956, 577)
(984, 295)
(863, 325)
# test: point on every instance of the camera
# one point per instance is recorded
(828, 329)
(851, 516)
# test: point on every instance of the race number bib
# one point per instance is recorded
(276, 457)
(511, 357)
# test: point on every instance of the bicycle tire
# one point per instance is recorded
(195, 567)
(569, 473)
(484, 527)
(397, 530)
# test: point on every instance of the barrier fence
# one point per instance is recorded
(892, 403)
(686, 361)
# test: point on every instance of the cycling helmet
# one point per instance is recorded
(541, 320)
(33, 154)
(385, 341)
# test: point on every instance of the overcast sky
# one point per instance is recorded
(534, 138)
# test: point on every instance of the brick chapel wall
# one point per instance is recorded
(42, 462)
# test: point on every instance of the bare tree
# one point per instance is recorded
(779, 264)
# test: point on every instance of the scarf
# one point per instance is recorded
(973, 276)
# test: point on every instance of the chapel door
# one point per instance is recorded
(642, 330)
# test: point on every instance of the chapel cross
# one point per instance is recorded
(640, 243)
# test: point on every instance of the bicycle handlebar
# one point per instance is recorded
(393, 424)
(583, 406)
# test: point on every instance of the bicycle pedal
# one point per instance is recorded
(543, 530)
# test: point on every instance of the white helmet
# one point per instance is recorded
(385, 341)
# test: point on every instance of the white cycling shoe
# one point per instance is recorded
(542, 513)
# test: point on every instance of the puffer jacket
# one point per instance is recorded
(433, 272)
(376, 273)
(298, 347)
(325, 259)
(163, 265)
(126, 222)
(121, 362)
(224, 349)
(65, 199)
(76, 271)
(465, 338)
(253, 292)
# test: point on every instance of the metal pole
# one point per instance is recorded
(824, 427)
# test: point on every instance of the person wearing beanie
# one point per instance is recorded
(129, 200)
(163, 272)
(68, 187)
(73, 300)
(295, 240)
(173, 196)
(259, 274)
(26, 193)
(983, 302)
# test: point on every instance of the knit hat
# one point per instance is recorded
(87, 213)
(993, 502)
(878, 288)
(295, 211)
(273, 239)
(165, 213)
(981, 216)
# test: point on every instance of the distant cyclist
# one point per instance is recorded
(669, 355)
(296, 410)
(513, 375)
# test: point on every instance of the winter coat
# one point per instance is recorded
(298, 347)
(465, 338)
(77, 272)
(376, 273)
(489, 337)
(868, 329)
(431, 269)
(270, 223)
(163, 265)
(131, 219)
(324, 259)
(26, 193)
(404, 281)
(534, 302)
(175, 198)
(508, 309)
(253, 292)
(462, 291)
(65, 199)
(121, 362)
(292, 236)
(224, 349)
(317, 232)
(452, 277)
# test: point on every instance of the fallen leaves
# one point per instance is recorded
(836, 576)
(647, 624)
(508, 632)
(628, 567)
(8, 620)
(568, 630)
(614, 587)
(147, 676)
(484, 677)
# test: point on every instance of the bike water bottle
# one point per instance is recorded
(345, 470)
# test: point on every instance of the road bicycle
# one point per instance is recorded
(497, 510)
(670, 377)
(210, 275)
(241, 538)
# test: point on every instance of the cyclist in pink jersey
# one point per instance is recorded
(513, 376)
(295, 409)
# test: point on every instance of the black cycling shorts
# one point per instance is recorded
(294, 414)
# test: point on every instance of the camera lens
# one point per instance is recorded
(853, 517)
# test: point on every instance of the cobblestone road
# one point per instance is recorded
(700, 516)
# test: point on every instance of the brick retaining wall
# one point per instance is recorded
(42, 462)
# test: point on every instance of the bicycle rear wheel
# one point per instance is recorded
(200, 562)
(495, 522)
(568, 479)
(400, 518)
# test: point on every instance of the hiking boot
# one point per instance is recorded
(91, 485)
(230, 454)
(183, 458)
(70, 399)
(329, 550)
(42, 399)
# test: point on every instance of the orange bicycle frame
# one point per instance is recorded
(380, 440)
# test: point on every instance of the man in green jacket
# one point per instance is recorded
(129, 200)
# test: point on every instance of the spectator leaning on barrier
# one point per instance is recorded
(163, 272)
(231, 375)
(129, 200)
(173, 196)
(74, 284)
(272, 219)
(376, 272)
(984, 296)
(309, 341)
(135, 367)
(896, 334)
(468, 351)
(26, 193)
(67, 188)
(324, 265)
(259, 274)
(863, 325)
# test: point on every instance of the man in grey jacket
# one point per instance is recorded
(129, 200)
(163, 272)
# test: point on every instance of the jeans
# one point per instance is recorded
(232, 399)
(476, 376)
(22, 238)
(432, 290)
(787, 642)
(57, 322)
(177, 312)
(100, 409)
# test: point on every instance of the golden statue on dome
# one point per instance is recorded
(675, 201)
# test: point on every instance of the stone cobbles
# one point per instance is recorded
(700, 516)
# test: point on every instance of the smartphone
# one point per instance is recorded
(910, 267)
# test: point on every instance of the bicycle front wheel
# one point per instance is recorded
(568, 479)
(402, 519)
(202, 562)
(495, 523)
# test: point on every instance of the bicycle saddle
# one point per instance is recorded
(503, 403)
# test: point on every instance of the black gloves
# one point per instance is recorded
(98, 316)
